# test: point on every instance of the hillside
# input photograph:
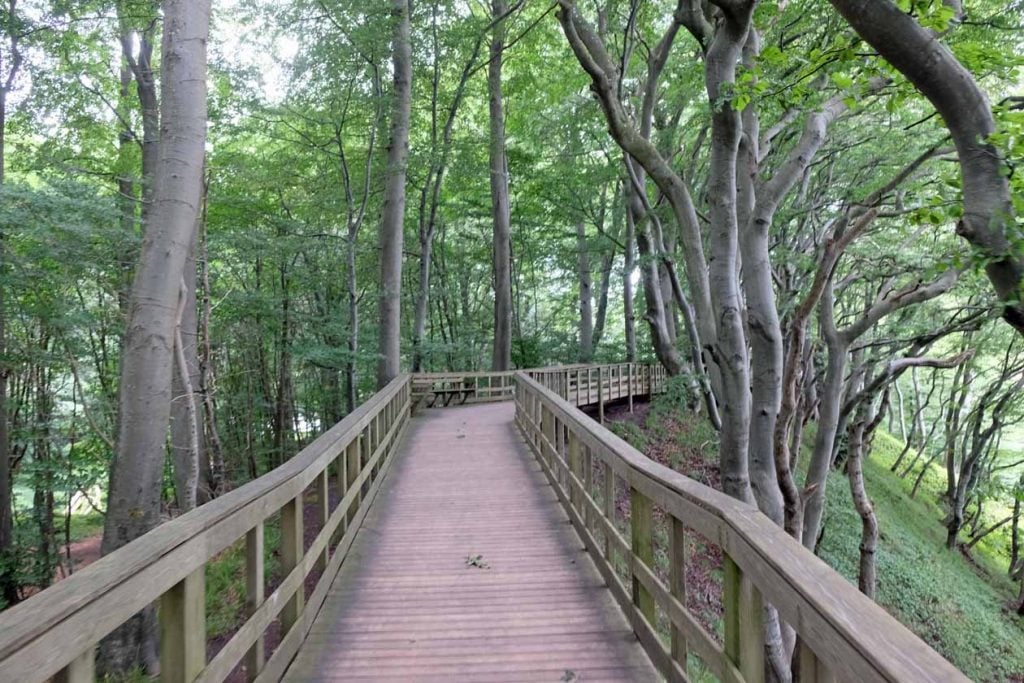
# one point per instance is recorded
(953, 603)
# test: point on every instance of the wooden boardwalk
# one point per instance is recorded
(466, 568)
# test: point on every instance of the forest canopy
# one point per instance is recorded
(222, 229)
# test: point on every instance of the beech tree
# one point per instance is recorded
(147, 359)
(392, 224)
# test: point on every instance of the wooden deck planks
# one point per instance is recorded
(411, 604)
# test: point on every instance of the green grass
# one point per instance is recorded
(225, 582)
(84, 526)
(960, 610)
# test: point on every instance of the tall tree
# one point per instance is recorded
(392, 224)
(147, 360)
(10, 64)
(501, 356)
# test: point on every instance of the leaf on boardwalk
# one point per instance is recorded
(476, 561)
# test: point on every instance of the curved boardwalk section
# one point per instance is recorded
(467, 568)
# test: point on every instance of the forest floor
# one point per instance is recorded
(962, 606)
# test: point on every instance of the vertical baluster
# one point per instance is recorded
(366, 441)
(81, 669)
(183, 629)
(588, 486)
(352, 472)
(574, 468)
(812, 669)
(254, 587)
(629, 389)
(291, 557)
(548, 427)
(677, 584)
(641, 516)
(600, 394)
(323, 513)
(609, 506)
(743, 616)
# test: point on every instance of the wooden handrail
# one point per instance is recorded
(842, 633)
(55, 632)
(579, 383)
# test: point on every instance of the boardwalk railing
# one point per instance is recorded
(843, 634)
(578, 384)
(55, 632)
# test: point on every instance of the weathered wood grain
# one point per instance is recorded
(466, 569)
(850, 636)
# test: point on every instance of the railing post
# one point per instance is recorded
(291, 557)
(630, 388)
(677, 584)
(548, 426)
(743, 623)
(323, 513)
(600, 394)
(609, 506)
(588, 486)
(352, 473)
(574, 468)
(254, 587)
(641, 516)
(81, 669)
(183, 629)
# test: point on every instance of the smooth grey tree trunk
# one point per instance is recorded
(627, 287)
(392, 224)
(187, 446)
(586, 296)
(147, 359)
(501, 356)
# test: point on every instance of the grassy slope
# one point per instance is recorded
(958, 608)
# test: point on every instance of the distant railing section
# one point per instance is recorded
(439, 389)
(54, 634)
(843, 635)
(581, 385)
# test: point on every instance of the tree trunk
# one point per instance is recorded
(730, 345)
(187, 447)
(586, 297)
(206, 381)
(8, 573)
(351, 387)
(627, 287)
(501, 357)
(856, 447)
(392, 224)
(601, 316)
(147, 360)
(664, 348)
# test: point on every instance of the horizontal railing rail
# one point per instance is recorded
(842, 634)
(578, 384)
(55, 632)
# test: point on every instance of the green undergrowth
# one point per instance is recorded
(225, 582)
(957, 605)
